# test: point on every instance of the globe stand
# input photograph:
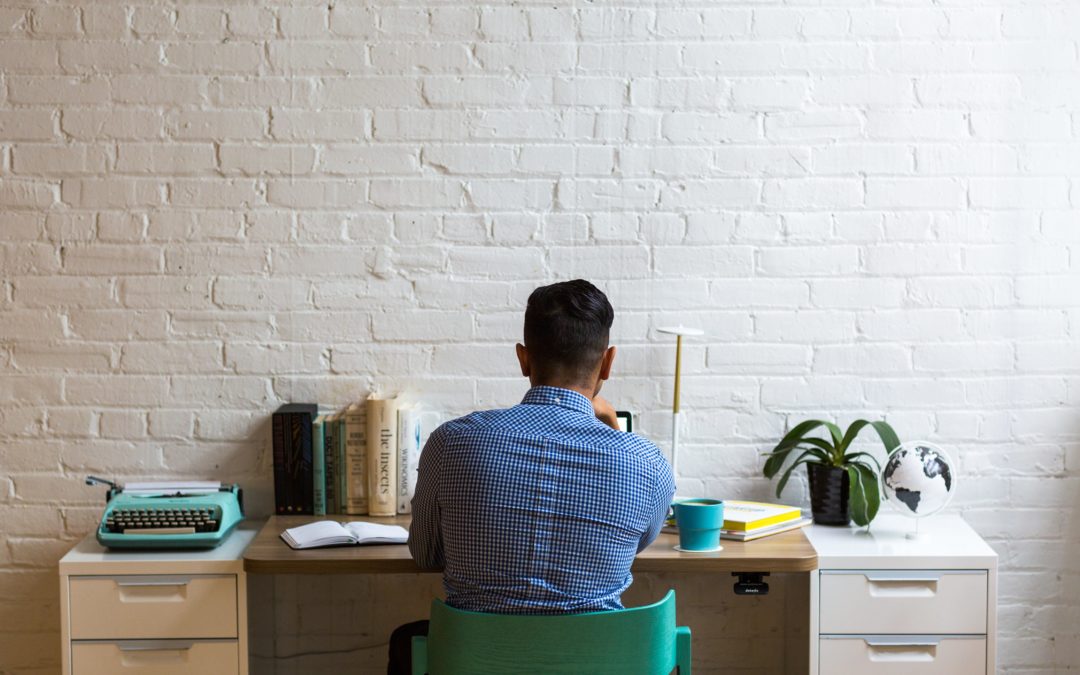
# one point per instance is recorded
(915, 534)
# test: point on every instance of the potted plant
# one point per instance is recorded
(843, 484)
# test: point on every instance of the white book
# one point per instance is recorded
(408, 456)
(331, 533)
(415, 424)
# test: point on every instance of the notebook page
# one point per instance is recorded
(322, 533)
(377, 533)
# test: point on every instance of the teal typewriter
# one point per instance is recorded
(168, 515)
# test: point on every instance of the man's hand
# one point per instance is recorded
(604, 412)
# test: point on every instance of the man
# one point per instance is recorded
(540, 508)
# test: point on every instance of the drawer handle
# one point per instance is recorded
(154, 645)
(902, 649)
(154, 581)
(903, 585)
(903, 577)
(902, 641)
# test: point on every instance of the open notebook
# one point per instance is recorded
(331, 533)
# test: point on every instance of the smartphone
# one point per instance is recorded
(625, 419)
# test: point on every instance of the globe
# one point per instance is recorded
(918, 479)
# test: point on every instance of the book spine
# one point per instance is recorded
(292, 444)
(343, 469)
(357, 496)
(318, 467)
(406, 418)
(278, 440)
(382, 465)
(330, 457)
(300, 474)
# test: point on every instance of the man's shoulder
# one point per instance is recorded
(642, 447)
(478, 419)
(526, 421)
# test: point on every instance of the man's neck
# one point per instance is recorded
(587, 392)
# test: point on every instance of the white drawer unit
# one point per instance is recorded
(159, 612)
(903, 601)
(903, 655)
(155, 657)
(153, 606)
(884, 604)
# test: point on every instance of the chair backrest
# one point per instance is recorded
(636, 640)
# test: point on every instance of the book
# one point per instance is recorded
(330, 458)
(744, 521)
(343, 469)
(277, 441)
(318, 466)
(740, 516)
(382, 428)
(355, 463)
(750, 535)
(331, 533)
(291, 440)
(415, 425)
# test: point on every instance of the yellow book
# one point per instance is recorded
(745, 516)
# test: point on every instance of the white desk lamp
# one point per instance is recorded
(676, 414)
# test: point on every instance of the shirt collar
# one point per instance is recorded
(544, 395)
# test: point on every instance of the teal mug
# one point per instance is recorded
(699, 522)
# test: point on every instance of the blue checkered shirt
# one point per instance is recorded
(537, 509)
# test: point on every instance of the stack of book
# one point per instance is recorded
(746, 521)
(359, 460)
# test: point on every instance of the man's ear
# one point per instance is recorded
(606, 361)
(523, 359)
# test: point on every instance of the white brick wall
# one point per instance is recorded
(209, 208)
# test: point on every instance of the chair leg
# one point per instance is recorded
(682, 650)
(419, 655)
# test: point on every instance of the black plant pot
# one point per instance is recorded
(828, 494)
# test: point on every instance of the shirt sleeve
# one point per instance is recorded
(425, 539)
(663, 491)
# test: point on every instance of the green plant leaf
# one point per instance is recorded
(854, 458)
(789, 442)
(787, 474)
(819, 443)
(871, 491)
(852, 432)
(856, 496)
(837, 435)
(775, 461)
(821, 456)
(888, 437)
(792, 438)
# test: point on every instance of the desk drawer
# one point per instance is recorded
(155, 657)
(903, 601)
(903, 655)
(166, 606)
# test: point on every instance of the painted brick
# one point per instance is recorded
(302, 125)
(215, 125)
(97, 123)
(111, 192)
(173, 159)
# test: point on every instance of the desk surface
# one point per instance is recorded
(268, 554)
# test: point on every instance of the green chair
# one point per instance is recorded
(638, 640)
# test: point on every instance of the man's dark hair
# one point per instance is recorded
(566, 329)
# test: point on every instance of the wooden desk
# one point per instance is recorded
(268, 554)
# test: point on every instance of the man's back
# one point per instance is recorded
(539, 508)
